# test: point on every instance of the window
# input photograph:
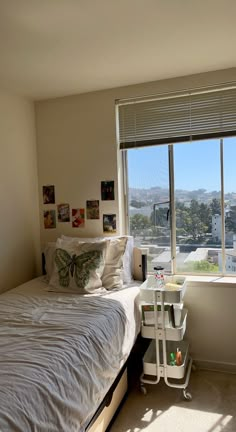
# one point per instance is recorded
(178, 160)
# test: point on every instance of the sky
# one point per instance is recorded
(197, 166)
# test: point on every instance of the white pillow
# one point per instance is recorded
(49, 261)
(78, 267)
(111, 277)
(127, 271)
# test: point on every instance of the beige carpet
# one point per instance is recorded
(163, 409)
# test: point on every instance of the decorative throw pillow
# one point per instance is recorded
(127, 270)
(113, 269)
(78, 267)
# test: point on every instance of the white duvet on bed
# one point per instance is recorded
(59, 354)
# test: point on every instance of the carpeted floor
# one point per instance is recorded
(163, 409)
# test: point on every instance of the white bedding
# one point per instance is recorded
(60, 353)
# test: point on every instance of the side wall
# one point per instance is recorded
(77, 150)
(19, 228)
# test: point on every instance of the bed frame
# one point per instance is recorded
(109, 406)
(127, 378)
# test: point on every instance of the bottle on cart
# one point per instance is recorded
(172, 359)
(178, 357)
(159, 276)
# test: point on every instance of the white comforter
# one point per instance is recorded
(59, 354)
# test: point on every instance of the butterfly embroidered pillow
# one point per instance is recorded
(127, 260)
(78, 267)
(112, 273)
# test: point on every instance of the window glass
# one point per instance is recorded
(230, 204)
(148, 186)
(198, 194)
(198, 206)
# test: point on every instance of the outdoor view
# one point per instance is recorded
(197, 195)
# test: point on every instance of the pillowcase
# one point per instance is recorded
(127, 271)
(111, 277)
(78, 267)
(49, 258)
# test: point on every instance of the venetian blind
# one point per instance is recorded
(177, 118)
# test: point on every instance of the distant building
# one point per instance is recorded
(200, 254)
(230, 258)
(216, 227)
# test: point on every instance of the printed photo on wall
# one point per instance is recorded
(78, 218)
(109, 223)
(107, 190)
(92, 209)
(49, 194)
(63, 212)
(49, 217)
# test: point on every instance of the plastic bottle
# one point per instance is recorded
(172, 359)
(178, 357)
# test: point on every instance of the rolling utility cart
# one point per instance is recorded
(164, 321)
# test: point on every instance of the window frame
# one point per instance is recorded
(126, 217)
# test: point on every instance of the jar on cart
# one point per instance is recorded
(159, 276)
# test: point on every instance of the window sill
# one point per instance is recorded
(208, 280)
(212, 280)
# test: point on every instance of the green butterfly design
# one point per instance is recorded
(76, 266)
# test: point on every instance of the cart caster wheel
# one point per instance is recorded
(143, 390)
(187, 395)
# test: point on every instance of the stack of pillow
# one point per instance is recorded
(88, 265)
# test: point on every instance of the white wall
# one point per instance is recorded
(77, 149)
(19, 227)
(211, 323)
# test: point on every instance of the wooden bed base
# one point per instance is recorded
(126, 379)
(109, 406)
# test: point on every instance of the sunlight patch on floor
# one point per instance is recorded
(183, 420)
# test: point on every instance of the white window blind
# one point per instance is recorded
(177, 118)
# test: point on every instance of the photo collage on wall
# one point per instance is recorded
(77, 215)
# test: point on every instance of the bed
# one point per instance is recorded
(61, 353)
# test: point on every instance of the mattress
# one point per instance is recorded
(60, 353)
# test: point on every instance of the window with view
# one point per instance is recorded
(181, 195)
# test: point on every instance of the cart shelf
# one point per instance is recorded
(169, 295)
(149, 360)
(171, 333)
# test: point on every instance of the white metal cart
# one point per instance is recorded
(165, 339)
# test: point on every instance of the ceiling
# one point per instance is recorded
(53, 48)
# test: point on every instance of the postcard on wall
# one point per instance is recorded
(92, 209)
(107, 190)
(109, 223)
(49, 194)
(63, 212)
(78, 218)
(49, 217)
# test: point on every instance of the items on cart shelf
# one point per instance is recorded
(148, 315)
(178, 357)
(172, 359)
(172, 286)
(172, 316)
(159, 276)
